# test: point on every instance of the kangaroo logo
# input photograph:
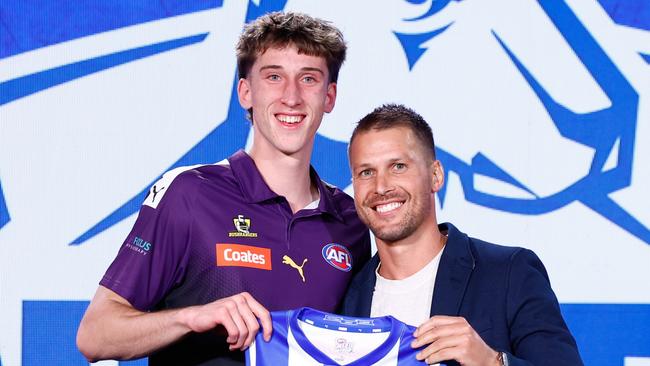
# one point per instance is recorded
(609, 132)
(287, 260)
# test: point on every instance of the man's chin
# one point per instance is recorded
(389, 235)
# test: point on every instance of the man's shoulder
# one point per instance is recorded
(487, 252)
(491, 250)
(184, 181)
(492, 257)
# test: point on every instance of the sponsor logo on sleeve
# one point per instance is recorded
(242, 226)
(236, 255)
(338, 256)
(139, 245)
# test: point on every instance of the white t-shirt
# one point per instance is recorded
(409, 299)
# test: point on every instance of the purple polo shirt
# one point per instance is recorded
(212, 231)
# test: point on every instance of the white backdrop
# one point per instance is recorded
(540, 111)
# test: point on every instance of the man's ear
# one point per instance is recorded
(437, 176)
(244, 93)
(330, 97)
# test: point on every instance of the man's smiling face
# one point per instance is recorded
(289, 93)
(393, 181)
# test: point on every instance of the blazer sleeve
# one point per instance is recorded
(538, 334)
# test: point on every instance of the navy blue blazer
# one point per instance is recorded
(503, 292)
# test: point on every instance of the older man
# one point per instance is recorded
(475, 303)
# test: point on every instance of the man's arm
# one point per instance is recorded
(536, 330)
(453, 338)
(538, 333)
(113, 329)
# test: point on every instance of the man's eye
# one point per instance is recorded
(274, 77)
(365, 173)
(399, 166)
(309, 79)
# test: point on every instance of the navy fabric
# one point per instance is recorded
(503, 292)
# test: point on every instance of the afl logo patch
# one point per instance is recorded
(338, 256)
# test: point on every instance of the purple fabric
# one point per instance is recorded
(169, 259)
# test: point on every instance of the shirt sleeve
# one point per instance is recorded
(153, 257)
(538, 333)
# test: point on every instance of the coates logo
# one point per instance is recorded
(235, 255)
(338, 256)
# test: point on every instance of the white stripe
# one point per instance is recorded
(161, 186)
(637, 361)
(252, 353)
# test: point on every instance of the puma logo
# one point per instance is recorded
(287, 260)
(155, 193)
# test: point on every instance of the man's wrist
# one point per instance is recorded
(502, 359)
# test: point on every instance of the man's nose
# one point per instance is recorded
(292, 95)
(383, 184)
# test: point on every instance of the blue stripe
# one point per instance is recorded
(330, 159)
(645, 57)
(607, 333)
(630, 13)
(30, 84)
(30, 24)
(49, 333)
(276, 352)
(4, 211)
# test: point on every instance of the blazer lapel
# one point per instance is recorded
(456, 266)
(358, 300)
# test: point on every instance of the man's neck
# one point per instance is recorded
(403, 258)
(288, 176)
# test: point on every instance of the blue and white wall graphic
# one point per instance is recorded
(540, 110)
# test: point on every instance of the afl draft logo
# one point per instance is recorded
(338, 257)
(609, 132)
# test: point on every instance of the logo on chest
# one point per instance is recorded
(288, 261)
(236, 255)
(338, 256)
(242, 228)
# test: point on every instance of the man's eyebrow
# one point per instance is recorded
(273, 67)
(303, 69)
(367, 165)
(362, 166)
(313, 69)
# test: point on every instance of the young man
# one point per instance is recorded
(216, 247)
(476, 303)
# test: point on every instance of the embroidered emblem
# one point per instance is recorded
(242, 226)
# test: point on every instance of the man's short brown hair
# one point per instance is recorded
(311, 36)
(396, 115)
